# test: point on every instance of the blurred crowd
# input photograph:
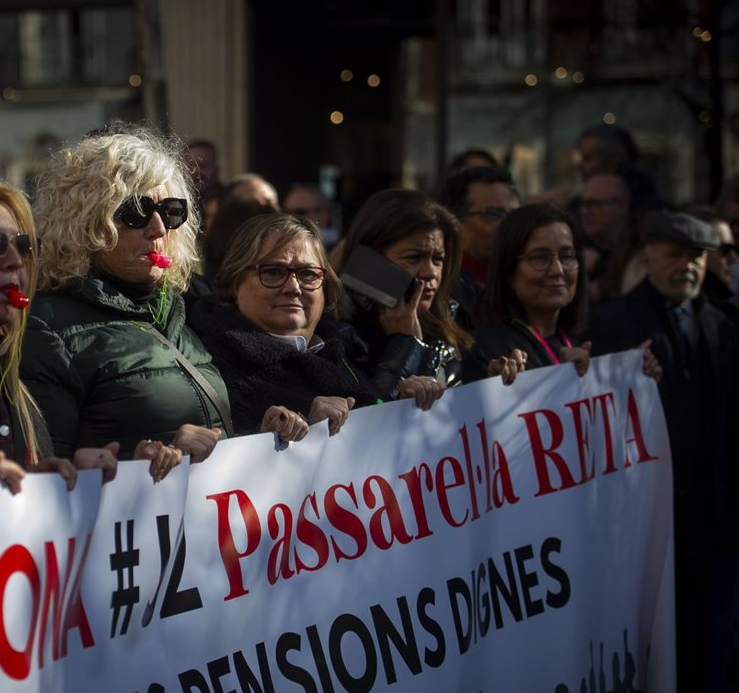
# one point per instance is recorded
(148, 310)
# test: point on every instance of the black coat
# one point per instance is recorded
(13, 443)
(466, 293)
(497, 339)
(389, 359)
(261, 371)
(721, 296)
(699, 398)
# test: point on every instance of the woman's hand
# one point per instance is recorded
(98, 458)
(580, 356)
(288, 424)
(508, 367)
(335, 409)
(650, 365)
(11, 474)
(61, 465)
(196, 441)
(163, 457)
(403, 318)
(425, 389)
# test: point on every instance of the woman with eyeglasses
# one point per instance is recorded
(104, 349)
(535, 299)
(268, 329)
(414, 348)
(24, 438)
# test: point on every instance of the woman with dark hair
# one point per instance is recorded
(535, 301)
(418, 337)
(283, 362)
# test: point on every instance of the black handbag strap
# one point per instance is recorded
(198, 377)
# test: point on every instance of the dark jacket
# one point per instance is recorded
(261, 371)
(698, 394)
(98, 376)
(466, 293)
(13, 442)
(389, 359)
(497, 339)
(721, 296)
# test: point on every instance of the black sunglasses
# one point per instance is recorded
(22, 241)
(728, 249)
(136, 212)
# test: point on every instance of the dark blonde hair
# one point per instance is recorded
(392, 215)
(245, 250)
(11, 334)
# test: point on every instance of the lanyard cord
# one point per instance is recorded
(543, 342)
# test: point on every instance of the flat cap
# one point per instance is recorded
(679, 228)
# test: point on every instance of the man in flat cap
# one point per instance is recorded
(697, 347)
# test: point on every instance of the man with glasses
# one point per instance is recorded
(307, 200)
(612, 149)
(697, 347)
(604, 208)
(611, 237)
(480, 197)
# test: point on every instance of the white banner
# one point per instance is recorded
(511, 539)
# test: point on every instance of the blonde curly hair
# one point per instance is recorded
(11, 333)
(78, 195)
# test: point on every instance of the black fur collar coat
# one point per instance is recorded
(260, 370)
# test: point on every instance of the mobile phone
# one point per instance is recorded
(371, 274)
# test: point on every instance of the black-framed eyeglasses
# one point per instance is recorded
(728, 249)
(276, 276)
(489, 214)
(136, 212)
(541, 260)
(22, 241)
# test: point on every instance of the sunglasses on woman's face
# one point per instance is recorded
(22, 242)
(136, 212)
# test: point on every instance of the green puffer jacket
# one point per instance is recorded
(99, 377)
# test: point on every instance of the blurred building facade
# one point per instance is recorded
(358, 96)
